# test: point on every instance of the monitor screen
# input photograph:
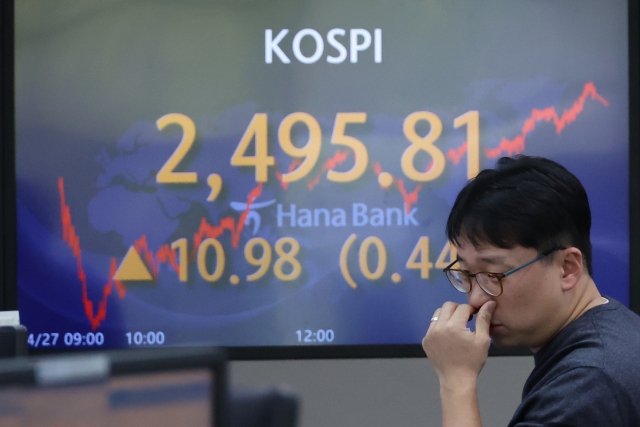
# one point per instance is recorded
(279, 174)
(146, 399)
(94, 389)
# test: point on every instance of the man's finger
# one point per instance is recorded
(447, 310)
(434, 319)
(483, 319)
(463, 313)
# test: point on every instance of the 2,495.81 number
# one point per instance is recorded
(310, 153)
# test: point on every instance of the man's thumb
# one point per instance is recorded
(483, 319)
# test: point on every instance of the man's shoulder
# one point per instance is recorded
(616, 332)
(607, 337)
(588, 368)
(580, 395)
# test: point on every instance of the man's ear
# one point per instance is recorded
(572, 267)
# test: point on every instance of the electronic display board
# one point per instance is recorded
(279, 174)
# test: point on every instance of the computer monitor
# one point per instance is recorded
(275, 177)
(160, 387)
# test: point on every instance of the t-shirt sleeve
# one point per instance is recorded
(577, 398)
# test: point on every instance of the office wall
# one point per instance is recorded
(382, 392)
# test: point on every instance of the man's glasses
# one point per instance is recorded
(491, 283)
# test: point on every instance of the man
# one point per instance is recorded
(524, 259)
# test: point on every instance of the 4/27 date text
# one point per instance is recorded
(70, 339)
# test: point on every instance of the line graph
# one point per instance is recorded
(163, 255)
(73, 241)
(455, 155)
(294, 164)
(408, 197)
(507, 147)
(548, 114)
(338, 158)
(96, 312)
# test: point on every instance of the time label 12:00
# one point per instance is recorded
(318, 336)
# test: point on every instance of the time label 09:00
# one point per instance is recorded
(75, 339)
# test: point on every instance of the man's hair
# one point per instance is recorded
(525, 201)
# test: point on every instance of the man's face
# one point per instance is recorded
(530, 307)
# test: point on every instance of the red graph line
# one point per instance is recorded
(377, 169)
(167, 255)
(456, 154)
(408, 197)
(338, 158)
(207, 230)
(163, 255)
(517, 144)
(73, 241)
(294, 164)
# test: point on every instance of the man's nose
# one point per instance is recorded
(477, 297)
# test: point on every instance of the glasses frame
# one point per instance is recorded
(469, 275)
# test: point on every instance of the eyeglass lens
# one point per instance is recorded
(462, 282)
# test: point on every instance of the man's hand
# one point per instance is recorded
(457, 354)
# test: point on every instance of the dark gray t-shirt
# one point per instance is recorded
(587, 375)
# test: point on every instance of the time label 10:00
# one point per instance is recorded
(310, 153)
(147, 338)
